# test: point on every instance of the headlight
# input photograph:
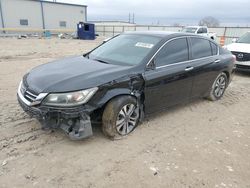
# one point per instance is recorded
(70, 99)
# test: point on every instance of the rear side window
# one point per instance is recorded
(173, 52)
(200, 31)
(200, 48)
(214, 48)
(204, 30)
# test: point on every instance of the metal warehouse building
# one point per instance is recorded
(36, 14)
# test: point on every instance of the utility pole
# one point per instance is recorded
(129, 18)
(133, 20)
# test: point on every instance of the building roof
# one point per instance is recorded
(60, 3)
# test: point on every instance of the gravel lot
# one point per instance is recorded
(200, 144)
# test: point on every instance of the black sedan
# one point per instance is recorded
(124, 79)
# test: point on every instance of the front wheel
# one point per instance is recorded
(219, 87)
(120, 117)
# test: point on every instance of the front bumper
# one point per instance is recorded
(243, 65)
(73, 121)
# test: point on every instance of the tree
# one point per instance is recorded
(209, 21)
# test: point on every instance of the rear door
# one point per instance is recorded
(170, 82)
(205, 59)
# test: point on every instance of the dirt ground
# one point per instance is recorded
(200, 144)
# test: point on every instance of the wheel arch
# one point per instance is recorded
(227, 73)
(138, 95)
(228, 76)
(114, 93)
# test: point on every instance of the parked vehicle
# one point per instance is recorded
(129, 76)
(199, 30)
(241, 49)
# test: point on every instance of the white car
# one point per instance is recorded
(199, 30)
(241, 49)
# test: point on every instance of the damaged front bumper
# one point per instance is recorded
(74, 121)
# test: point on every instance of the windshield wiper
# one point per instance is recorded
(101, 61)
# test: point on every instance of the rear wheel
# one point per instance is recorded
(120, 117)
(219, 87)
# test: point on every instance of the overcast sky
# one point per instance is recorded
(168, 11)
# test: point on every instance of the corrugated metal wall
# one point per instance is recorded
(15, 10)
(54, 13)
(228, 32)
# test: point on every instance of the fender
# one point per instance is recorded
(110, 94)
(128, 85)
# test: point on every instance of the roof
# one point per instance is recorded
(60, 3)
(155, 33)
(159, 33)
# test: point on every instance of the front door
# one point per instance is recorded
(170, 82)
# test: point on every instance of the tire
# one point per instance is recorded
(218, 88)
(120, 117)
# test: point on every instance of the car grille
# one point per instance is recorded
(28, 95)
(242, 56)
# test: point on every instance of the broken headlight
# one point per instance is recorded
(69, 99)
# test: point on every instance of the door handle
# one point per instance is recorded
(189, 68)
(217, 61)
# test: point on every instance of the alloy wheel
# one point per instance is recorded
(220, 86)
(127, 119)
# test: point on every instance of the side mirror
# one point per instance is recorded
(151, 65)
(234, 40)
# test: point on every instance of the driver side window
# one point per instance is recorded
(204, 30)
(200, 31)
(173, 52)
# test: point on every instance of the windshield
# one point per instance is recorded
(126, 49)
(245, 38)
(189, 30)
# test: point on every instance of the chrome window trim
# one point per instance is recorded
(182, 62)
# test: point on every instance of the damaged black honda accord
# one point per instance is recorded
(124, 79)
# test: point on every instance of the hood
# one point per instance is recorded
(72, 74)
(238, 47)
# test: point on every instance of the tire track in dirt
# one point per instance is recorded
(11, 113)
(17, 128)
(233, 96)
